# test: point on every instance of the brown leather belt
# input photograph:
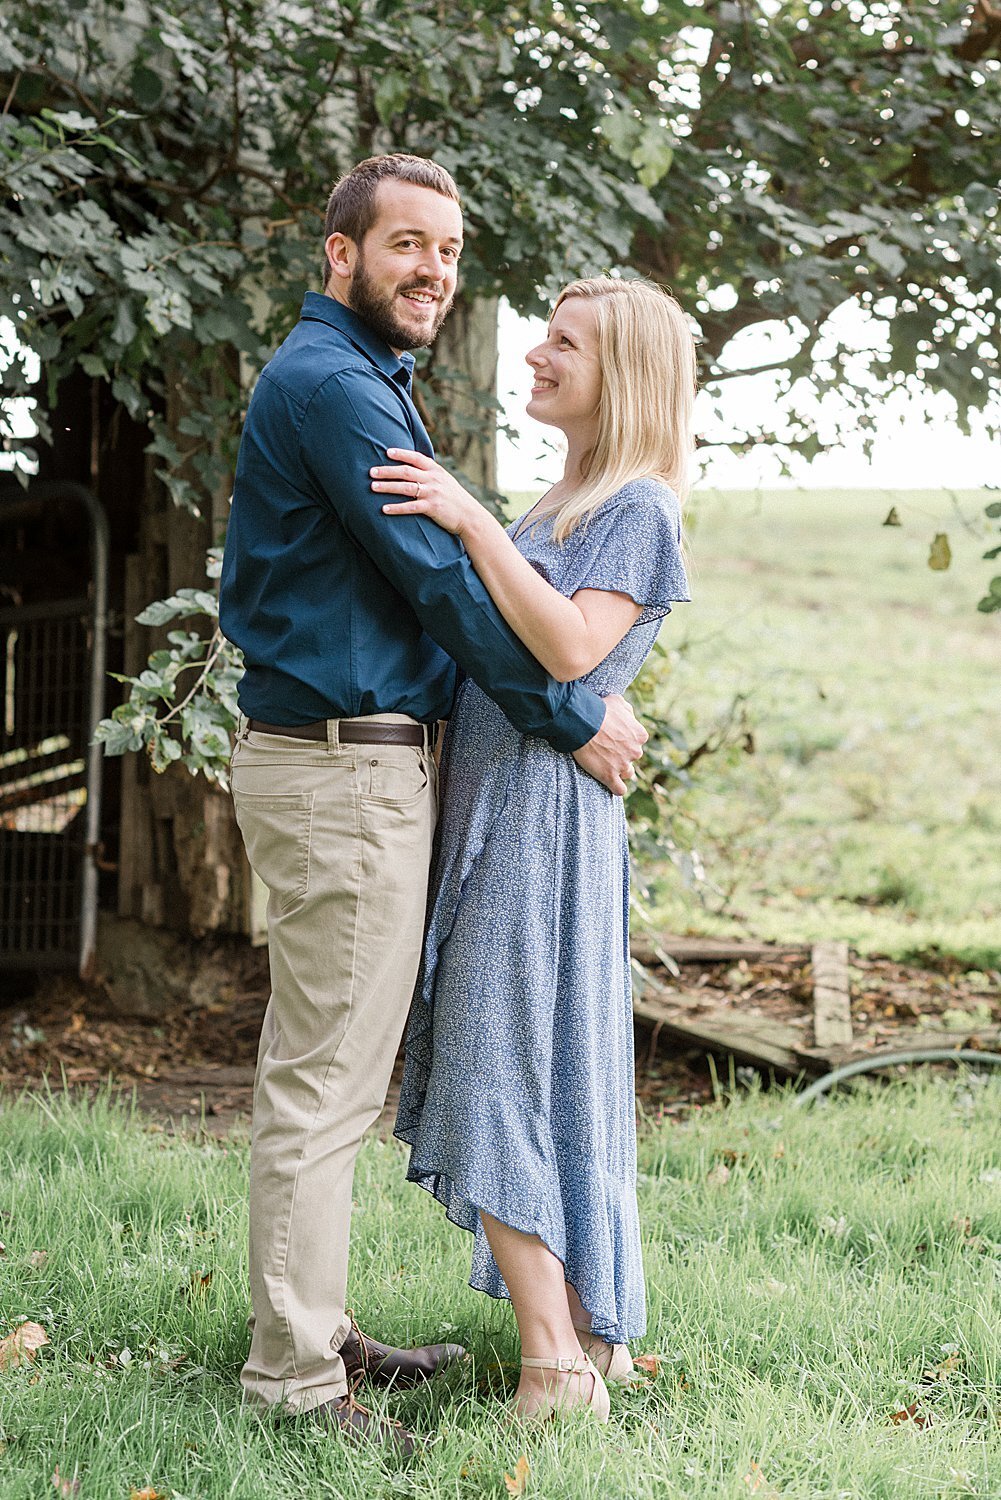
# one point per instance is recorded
(349, 732)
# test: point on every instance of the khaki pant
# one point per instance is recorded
(341, 836)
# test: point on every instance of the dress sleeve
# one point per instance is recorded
(632, 545)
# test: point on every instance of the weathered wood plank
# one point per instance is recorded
(699, 950)
(754, 1039)
(832, 1011)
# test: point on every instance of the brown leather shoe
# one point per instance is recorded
(366, 1358)
(349, 1417)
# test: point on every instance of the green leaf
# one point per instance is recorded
(887, 257)
(653, 156)
(622, 131)
(391, 94)
(116, 738)
(147, 86)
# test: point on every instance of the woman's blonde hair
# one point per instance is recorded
(648, 379)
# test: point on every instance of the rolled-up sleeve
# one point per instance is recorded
(350, 422)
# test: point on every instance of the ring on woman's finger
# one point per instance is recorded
(417, 491)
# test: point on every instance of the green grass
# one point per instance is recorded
(870, 809)
(797, 1307)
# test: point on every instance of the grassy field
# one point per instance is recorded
(870, 808)
(824, 1288)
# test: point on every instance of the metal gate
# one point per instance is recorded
(52, 677)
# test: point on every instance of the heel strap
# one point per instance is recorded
(574, 1366)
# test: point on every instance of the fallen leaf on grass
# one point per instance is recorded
(942, 1371)
(770, 1287)
(836, 1227)
(64, 1486)
(648, 1363)
(37, 1259)
(719, 1176)
(515, 1483)
(21, 1346)
(939, 553)
(758, 1484)
(913, 1414)
(149, 1493)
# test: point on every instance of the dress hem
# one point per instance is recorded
(426, 1177)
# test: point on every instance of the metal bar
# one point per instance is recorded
(95, 754)
(57, 609)
(50, 910)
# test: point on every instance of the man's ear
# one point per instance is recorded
(341, 255)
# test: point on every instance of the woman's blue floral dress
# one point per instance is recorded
(518, 1091)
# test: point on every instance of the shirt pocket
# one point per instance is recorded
(397, 778)
(277, 829)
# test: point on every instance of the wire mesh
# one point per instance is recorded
(43, 791)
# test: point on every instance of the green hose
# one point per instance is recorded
(893, 1059)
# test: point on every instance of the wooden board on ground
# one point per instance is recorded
(832, 1007)
(716, 1018)
(699, 950)
(754, 1039)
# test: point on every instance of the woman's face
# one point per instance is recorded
(567, 384)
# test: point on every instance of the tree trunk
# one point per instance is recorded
(181, 860)
(466, 430)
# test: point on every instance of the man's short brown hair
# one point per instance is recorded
(351, 206)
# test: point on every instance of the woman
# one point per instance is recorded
(517, 1098)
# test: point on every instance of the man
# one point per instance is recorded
(351, 624)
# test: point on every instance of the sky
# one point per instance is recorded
(918, 444)
(911, 451)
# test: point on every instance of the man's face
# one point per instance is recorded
(404, 272)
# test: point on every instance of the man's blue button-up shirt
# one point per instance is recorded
(338, 609)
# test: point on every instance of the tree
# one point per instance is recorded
(164, 173)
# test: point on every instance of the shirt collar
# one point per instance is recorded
(317, 307)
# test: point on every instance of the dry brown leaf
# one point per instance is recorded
(149, 1493)
(21, 1346)
(200, 1282)
(758, 1484)
(64, 1486)
(37, 1258)
(719, 1176)
(648, 1363)
(942, 1371)
(913, 1414)
(515, 1483)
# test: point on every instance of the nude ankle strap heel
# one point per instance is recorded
(597, 1403)
(613, 1361)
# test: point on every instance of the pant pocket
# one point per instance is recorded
(276, 830)
(395, 777)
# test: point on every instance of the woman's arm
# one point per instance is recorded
(567, 636)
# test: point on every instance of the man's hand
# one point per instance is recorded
(609, 756)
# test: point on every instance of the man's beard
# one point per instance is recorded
(376, 309)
